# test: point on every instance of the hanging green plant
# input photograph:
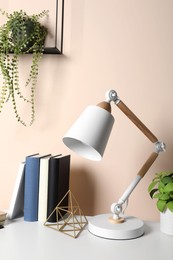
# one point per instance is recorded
(21, 34)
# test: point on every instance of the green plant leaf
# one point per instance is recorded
(165, 173)
(171, 194)
(161, 187)
(169, 187)
(152, 192)
(170, 205)
(157, 196)
(167, 179)
(161, 205)
(152, 185)
(164, 196)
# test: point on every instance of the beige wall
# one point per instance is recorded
(108, 44)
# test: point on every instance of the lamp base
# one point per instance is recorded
(101, 226)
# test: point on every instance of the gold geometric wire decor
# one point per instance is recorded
(70, 219)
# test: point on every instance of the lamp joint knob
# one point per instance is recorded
(111, 95)
(160, 147)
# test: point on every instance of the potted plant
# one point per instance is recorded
(21, 34)
(161, 188)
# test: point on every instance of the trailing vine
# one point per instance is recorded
(21, 34)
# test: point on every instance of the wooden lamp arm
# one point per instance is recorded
(147, 164)
(137, 122)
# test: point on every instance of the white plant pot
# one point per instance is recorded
(166, 222)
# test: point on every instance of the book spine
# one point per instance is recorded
(43, 189)
(58, 184)
(31, 189)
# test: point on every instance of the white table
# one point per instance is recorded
(21, 240)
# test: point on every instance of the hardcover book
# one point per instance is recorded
(43, 188)
(17, 199)
(31, 187)
(58, 183)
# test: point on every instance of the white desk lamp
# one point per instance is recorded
(88, 137)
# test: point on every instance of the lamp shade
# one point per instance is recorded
(88, 136)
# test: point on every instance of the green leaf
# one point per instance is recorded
(167, 179)
(152, 185)
(169, 187)
(164, 196)
(152, 192)
(161, 205)
(157, 196)
(161, 187)
(170, 205)
(162, 174)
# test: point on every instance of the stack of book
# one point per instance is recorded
(2, 218)
(41, 184)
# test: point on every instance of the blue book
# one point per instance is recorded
(31, 187)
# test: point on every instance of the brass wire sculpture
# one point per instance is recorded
(70, 219)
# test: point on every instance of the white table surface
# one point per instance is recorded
(21, 240)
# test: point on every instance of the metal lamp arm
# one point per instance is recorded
(117, 208)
